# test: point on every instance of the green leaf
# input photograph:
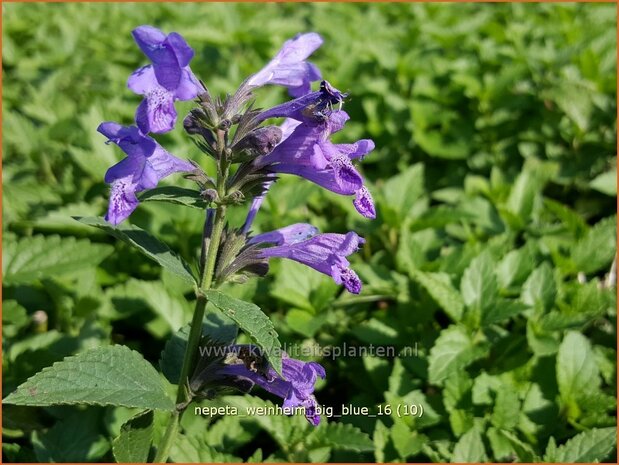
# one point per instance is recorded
(216, 327)
(442, 291)
(502, 310)
(195, 450)
(381, 440)
(515, 267)
(577, 371)
(469, 448)
(522, 196)
(452, 351)
(339, 436)
(522, 450)
(253, 321)
(597, 249)
(401, 191)
(145, 243)
(112, 375)
(374, 331)
(176, 195)
(14, 318)
(479, 286)
(303, 322)
(606, 183)
(136, 435)
(173, 309)
(40, 257)
(540, 289)
(302, 287)
(506, 408)
(76, 438)
(589, 446)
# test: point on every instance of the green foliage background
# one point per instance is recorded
(495, 181)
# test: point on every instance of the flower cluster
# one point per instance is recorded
(237, 135)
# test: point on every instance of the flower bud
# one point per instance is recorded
(257, 143)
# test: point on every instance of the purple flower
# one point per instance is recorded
(308, 152)
(286, 236)
(145, 165)
(296, 387)
(166, 80)
(313, 107)
(288, 68)
(325, 253)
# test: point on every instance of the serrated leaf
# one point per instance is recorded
(540, 289)
(479, 285)
(339, 436)
(515, 267)
(112, 375)
(577, 371)
(589, 446)
(606, 183)
(254, 322)
(175, 195)
(439, 286)
(171, 308)
(469, 448)
(526, 188)
(215, 327)
(452, 351)
(40, 257)
(86, 443)
(145, 243)
(597, 249)
(502, 310)
(381, 439)
(506, 408)
(133, 443)
(195, 450)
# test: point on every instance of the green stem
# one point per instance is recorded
(163, 451)
(183, 396)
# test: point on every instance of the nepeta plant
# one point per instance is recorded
(231, 131)
(250, 152)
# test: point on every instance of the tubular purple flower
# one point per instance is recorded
(288, 235)
(296, 387)
(288, 68)
(145, 165)
(325, 253)
(308, 152)
(313, 107)
(169, 78)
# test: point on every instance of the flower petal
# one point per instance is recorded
(155, 46)
(189, 87)
(364, 203)
(286, 236)
(299, 47)
(128, 167)
(184, 53)
(142, 80)
(357, 150)
(164, 163)
(156, 113)
(128, 138)
(122, 201)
